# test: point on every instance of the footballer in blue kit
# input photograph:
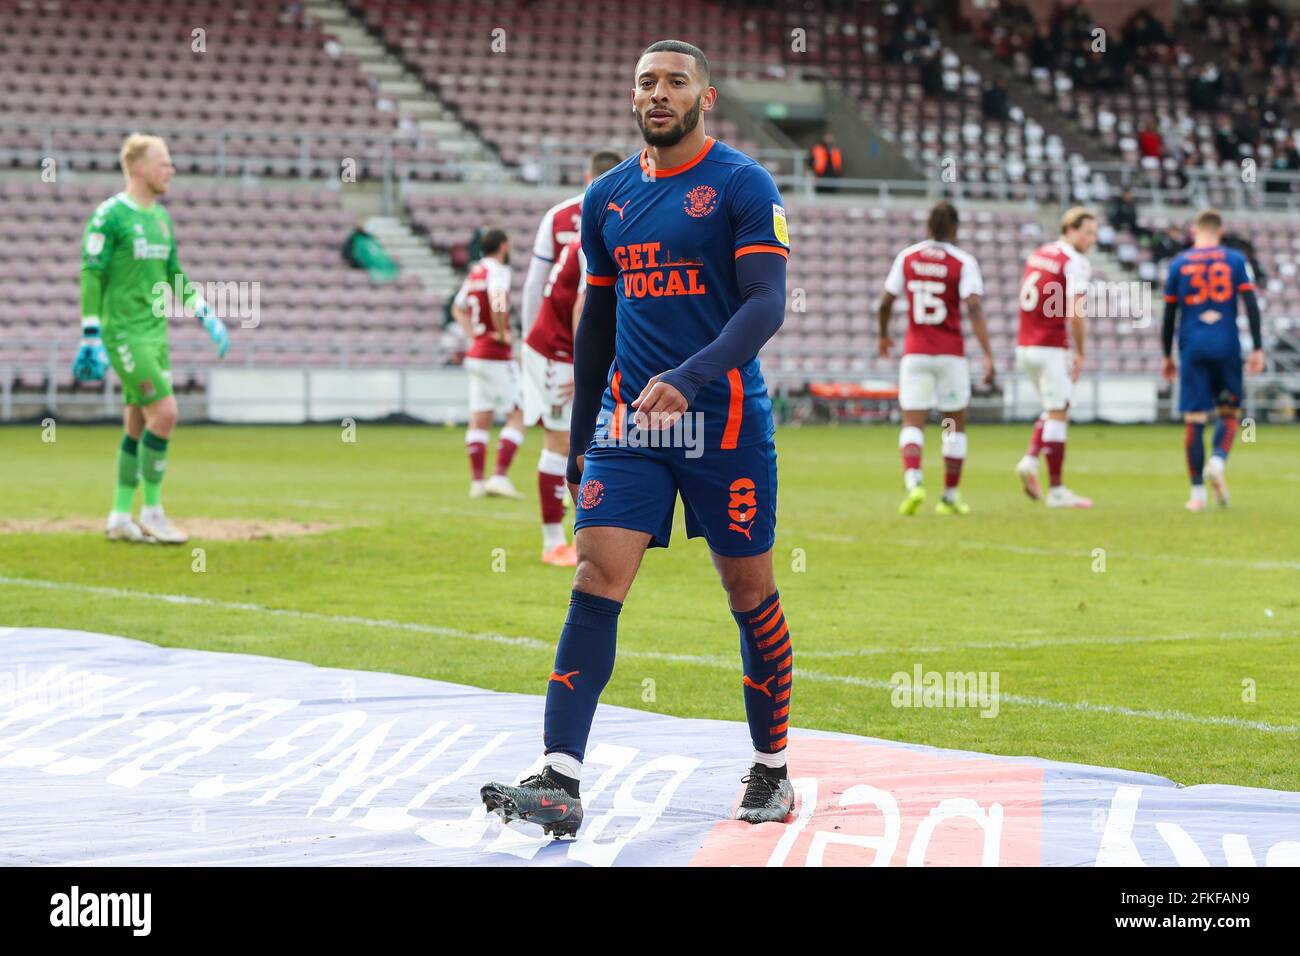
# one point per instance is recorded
(1201, 294)
(686, 245)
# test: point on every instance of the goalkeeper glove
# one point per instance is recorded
(215, 328)
(92, 361)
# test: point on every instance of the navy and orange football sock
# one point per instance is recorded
(584, 661)
(765, 651)
(1194, 446)
(1225, 430)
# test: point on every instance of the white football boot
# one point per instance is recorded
(121, 527)
(499, 486)
(158, 529)
(1027, 472)
(1063, 497)
(1214, 478)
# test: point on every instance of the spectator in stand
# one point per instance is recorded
(362, 250)
(1286, 160)
(1230, 84)
(1123, 213)
(1174, 241)
(1144, 31)
(1226, 143)
(827, 162)
(1150, 143)
(1283, 52)
(1245, 125)
(994, 102)
(1203, 89)
(932, 73)
(1042, 52)
(1173, 137)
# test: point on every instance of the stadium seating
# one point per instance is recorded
(267, 84)
(490, 73)
(1155, 86)
(299, 304)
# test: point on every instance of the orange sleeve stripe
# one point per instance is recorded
(735, 409)
(1246, 287)
(600, 280)
(759, 247)
(1171, 298)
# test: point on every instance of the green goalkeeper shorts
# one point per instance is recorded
(142, 365)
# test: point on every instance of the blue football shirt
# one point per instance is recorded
(1205, 283)
(668, 241)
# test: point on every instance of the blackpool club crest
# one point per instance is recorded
(701, 201)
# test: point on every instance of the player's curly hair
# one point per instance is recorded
(942, 224)
(681, 46)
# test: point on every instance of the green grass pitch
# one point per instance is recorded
(1172, 649)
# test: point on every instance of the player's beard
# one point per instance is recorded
(674, 134)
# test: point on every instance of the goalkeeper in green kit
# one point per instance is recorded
(128, 262)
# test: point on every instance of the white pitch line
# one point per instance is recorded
(1174, 715)
(1110, 553)
(715, 661)
(788, 535)
(1046, 642)
(486, 636)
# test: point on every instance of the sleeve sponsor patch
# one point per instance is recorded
(94, 243)
(779, 226)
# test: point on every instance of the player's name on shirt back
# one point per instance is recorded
(934, 278)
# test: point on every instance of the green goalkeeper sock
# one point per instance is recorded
(128, 473)
(153, 460)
